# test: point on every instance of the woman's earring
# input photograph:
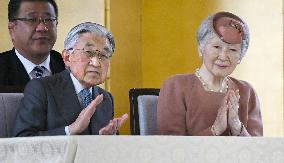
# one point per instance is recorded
(239, 61)
(199, 52)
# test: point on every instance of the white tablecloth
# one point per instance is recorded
(141, 149)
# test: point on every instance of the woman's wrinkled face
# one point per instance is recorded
(220, 58)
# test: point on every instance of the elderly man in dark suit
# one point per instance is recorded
(63, 104)
(33, 30)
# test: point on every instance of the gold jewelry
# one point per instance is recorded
(205, 85)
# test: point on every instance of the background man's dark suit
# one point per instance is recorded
(51, 103)
(13, 76)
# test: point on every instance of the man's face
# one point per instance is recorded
(34, 40)
(90, 70)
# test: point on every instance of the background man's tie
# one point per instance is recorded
(39, 71)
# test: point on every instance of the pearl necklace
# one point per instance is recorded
(223, 88)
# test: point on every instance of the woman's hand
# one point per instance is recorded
(220, 124)
(233, 109)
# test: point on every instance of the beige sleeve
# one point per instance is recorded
(171, 109)
(254, 124)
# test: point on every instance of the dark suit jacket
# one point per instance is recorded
(51, 103)
(13, 75)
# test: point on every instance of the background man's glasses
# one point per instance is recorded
(37, 21)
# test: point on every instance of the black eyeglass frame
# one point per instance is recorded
(37, 21)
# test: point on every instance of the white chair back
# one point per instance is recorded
(9, 104)
(147, 109)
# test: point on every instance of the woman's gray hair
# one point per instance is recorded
(88, 27)
(206, 32)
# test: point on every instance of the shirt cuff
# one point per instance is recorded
(67, 131)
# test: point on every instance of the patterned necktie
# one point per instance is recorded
(86, 97)
(38, 72)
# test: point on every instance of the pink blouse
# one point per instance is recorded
(186, 108)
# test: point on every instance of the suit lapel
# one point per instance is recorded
(93, 127)
(56, 62)
(17, 73)
(100, 118)
(66, 98)
(67, 101)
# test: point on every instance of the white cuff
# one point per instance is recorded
(67, 131)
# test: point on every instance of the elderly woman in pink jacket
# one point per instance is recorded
(209, 102)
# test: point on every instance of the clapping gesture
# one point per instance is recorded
(228, 116)
(234, 122)
(113, 126)
(83, 120)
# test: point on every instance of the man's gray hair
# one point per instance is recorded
(88, 27)
(206, 32)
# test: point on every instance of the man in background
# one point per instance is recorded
(33, 30)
